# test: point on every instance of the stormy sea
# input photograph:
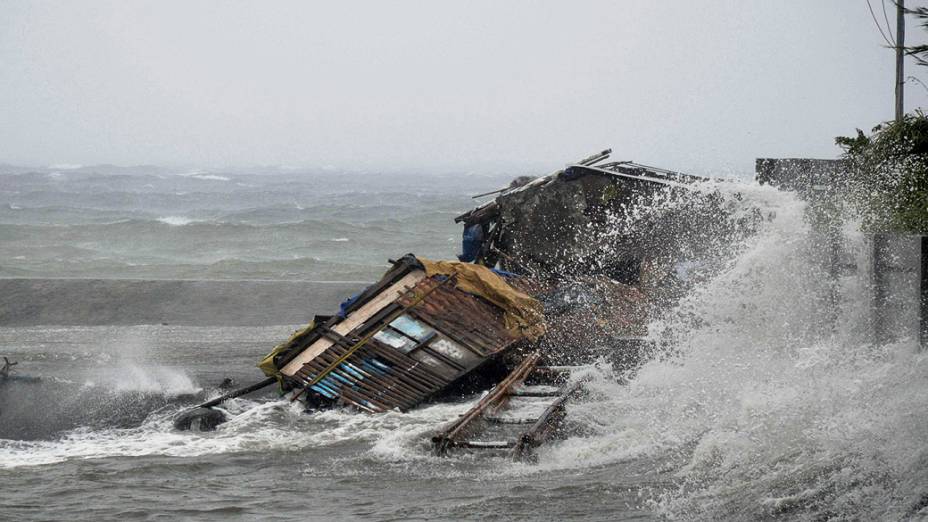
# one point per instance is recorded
(130, 294)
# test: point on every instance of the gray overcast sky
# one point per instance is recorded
(706, 85)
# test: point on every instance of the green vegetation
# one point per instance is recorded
(919, 52)
(888, 175)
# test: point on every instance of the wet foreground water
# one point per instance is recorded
(762, 401)
(271, 461)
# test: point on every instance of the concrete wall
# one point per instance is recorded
(897, 280)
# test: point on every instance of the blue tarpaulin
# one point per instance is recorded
(471, 243)
(346, 304)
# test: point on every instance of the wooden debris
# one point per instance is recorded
(486, 418)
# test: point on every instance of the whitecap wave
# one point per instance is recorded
(161, 380)
(65, 166)
(177, 221)
(210, 177)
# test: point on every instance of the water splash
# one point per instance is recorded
(752, 407)
(136, 368)
(755, 406)
(276, 426)
(113, 383)
(161, 380)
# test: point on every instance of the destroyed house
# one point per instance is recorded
(607, 245)
(558, 225)
(423, 327)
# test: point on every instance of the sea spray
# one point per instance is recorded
(135, 369)
(755, 406)
(115, 382)
(280, 427)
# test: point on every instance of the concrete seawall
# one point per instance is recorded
(29, 302)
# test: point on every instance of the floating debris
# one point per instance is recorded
(7, 367)
(490, 424)
(6, 373)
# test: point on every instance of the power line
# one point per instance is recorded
(878, 26)
(889, 27)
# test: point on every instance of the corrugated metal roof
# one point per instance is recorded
(421, 342)
(464, 317)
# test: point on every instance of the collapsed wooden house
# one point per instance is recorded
(422, 328)
(426, 328)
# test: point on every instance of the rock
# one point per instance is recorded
(199, 419)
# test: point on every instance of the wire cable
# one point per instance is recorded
(878, 26)
(889, 27)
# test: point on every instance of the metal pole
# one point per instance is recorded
(879, 241)
(238, 393)
(900, 54)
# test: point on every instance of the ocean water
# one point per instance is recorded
(751, 409)
(150, 223)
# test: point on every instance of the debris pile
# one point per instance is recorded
(557, 270)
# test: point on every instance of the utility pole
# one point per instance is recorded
(879, 242)
(900, 54)
(923, 240)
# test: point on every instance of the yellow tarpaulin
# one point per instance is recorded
(522, 313)
(267, 364)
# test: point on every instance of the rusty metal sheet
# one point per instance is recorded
(464, 318)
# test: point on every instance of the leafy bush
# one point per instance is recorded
(888, 177)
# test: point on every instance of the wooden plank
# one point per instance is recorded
(491, 402)
(490, 444)
(354, 320)
(545, 425)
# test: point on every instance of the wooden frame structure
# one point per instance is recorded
(399, 342)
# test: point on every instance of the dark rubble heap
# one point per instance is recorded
(605, 245)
